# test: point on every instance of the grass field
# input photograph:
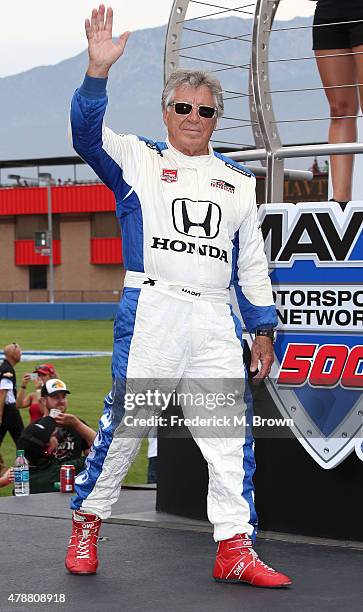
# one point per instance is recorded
(89, 380)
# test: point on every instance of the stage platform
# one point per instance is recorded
(153, 562)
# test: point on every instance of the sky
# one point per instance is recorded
(45, 32)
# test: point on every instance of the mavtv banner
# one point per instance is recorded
(315, 254)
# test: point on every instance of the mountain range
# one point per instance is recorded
(34, 104)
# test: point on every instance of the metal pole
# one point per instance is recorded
(267, 134)
(174, 36)
(50, 238)
(304, 150)
(327, 149)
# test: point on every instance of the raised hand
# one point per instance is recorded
(102, 50)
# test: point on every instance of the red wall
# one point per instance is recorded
(103, 251)
(67, 199)
(25, 255)
(106, 251)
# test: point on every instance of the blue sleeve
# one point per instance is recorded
(255, 317)
(88, 107)
(258, 309)
(93, 88)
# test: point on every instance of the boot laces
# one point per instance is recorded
(257, 561)
(255, 558)
(84, 542)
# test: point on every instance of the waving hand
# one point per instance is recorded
(102, 50)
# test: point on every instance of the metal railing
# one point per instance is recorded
(269, 148)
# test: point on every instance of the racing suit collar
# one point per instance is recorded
(191, 161)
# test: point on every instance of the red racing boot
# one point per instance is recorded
(82, 548)
(236, 561)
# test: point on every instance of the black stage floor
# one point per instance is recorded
(165, 569)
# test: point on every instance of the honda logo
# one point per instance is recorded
(196, 218)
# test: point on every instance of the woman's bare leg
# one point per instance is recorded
(358, 59)
(343, 101)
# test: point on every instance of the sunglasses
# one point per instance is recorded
(184, 108)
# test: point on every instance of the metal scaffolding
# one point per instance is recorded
(268, 146)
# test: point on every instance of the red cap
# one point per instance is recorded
(45, 368)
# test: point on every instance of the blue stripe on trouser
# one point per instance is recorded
(114, 401)
(249, 464)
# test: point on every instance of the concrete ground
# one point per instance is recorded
(166, 569)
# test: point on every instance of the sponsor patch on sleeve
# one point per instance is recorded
(153, 146)
(238, 169)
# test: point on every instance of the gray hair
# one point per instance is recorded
(193, 78)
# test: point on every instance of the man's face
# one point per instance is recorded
(190, 134)
(13, 352)
(17, 353)
(57, 400)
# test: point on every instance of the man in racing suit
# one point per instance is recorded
(189, 233)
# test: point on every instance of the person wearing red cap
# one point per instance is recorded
(44, 372)
(47, 370)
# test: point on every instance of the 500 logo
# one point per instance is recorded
(322, 366)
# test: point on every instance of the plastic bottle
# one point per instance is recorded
(21, 475)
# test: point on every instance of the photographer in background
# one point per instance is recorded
(32, 401)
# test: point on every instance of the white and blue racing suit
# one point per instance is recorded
(189, 233)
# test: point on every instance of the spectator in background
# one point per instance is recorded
(3, 467)
(7, 478)
(152, 456)
(315, 167)
(55, 439)
(32, 400)
(339, 54)
(10, 419)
